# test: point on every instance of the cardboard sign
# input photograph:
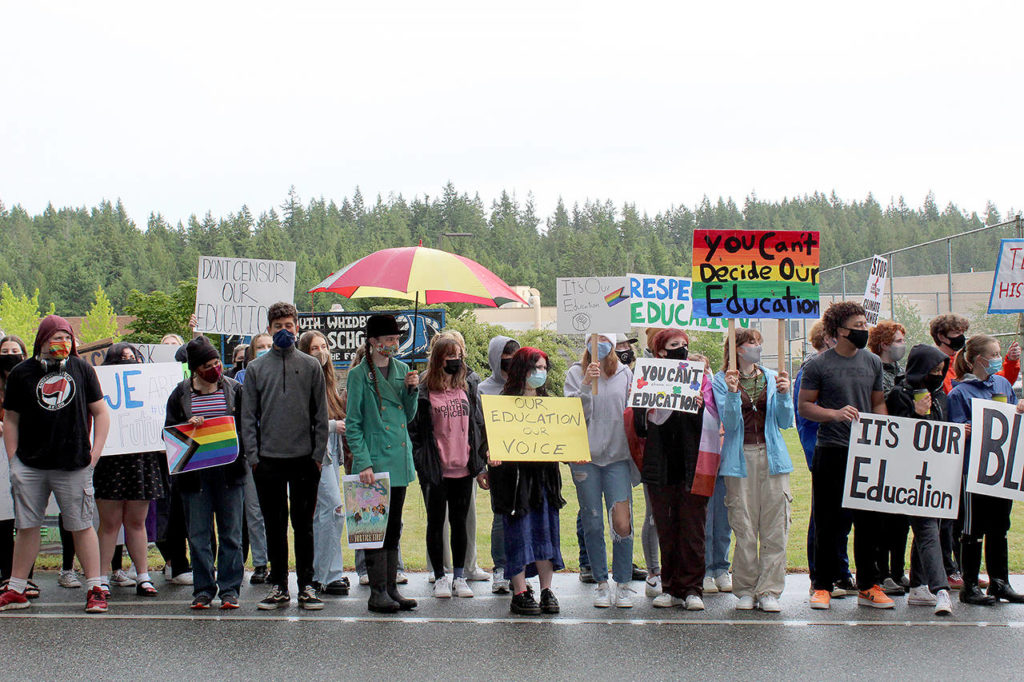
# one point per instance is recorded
(136, 396)
(589, 305)
(996, 465)
(95, 352)
(905, 466)
(875, 288)
(233, 294)
(755, 274)
(190, 448)
(345, 332)
(366, 510)
(157, 352)
(535, 429)
(1008, 281)
(666, 384)
(666, 302)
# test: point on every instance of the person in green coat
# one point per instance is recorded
(382, 398)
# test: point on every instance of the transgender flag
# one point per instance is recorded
(190, 448)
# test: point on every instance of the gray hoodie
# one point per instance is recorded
(494, 384)
(606, 429)
(284, 407)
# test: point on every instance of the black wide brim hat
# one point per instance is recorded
(382, 325)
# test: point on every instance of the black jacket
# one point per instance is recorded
(672, 448)
(179, 411)
(425, 454)
(900, 400)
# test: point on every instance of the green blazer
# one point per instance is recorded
(379, 438)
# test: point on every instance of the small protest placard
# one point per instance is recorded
(666, 384)
(345, 332)
(996, 464)
(535, 429)
(589, 305)
(136, 396)
(755, 274)
(875, 288)
(905, 466)
(666, 302)
(233, 294)
(1008, 282)
(210, 444)
(366, 510)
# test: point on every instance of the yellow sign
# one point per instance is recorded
(535, 429)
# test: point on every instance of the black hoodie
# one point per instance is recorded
(921, 361)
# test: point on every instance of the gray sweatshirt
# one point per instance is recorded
(284, 407)
(494, 384)
(606, 430)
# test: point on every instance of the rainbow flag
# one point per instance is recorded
(616, 297)
(190, 448)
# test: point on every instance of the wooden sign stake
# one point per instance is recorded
(593, 358)
(732, 345)
(782, 346)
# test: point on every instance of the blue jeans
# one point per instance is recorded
(328, 526)
(254, 521)
(225, 502)
(717, 533)
(612, 483)
(498, 542)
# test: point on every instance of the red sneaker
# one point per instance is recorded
(96, 601)
(9, 600)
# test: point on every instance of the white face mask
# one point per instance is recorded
(750, 354)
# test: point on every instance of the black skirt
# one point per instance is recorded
(130, 477)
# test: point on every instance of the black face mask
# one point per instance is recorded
(8, 362)
(933, 381)
(452, 366)
(858, 337)
(677, 353)
(239, 365)
(956, 342)
(505, 364)
(627, 356)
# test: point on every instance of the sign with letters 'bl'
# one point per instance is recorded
(666, 302)
(1008, 281)
(136, 397)
(905, 466)
(535, 429)
(996, 465)
(755, 273)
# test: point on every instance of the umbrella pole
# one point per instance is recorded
(415, 324)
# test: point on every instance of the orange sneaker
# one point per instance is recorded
(821, 599)
(875, 598)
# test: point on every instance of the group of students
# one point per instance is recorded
(721, 471)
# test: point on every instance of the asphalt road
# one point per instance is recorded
(143, 638)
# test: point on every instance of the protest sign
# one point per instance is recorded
(875, 288)
(345, 332)
(366, 510)
(591, 305)
(157, 352)
(905, 466)
(190, 448)
(95, 352)
(996, 465)
(666, 302)
(666, 384)
(233, 294)
(535, 429)
(1008, 281)
(755, 274)
(136, 396)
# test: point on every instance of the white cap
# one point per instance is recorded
(611, 337)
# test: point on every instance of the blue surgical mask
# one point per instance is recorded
(261, 353)
(603, 349)
(284, 338)
(537, 378)
(994, 366)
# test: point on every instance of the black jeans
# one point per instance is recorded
(393, 534)
(278, 482)
(172, 531)
(452, 495)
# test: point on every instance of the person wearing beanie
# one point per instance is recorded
(284, 432)
(49, 402)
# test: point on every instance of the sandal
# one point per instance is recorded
(32, 591)
(146, 589)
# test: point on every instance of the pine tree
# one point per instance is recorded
(101, 321)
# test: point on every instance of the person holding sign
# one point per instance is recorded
(985, 517)
(382, 399)
(608, 475)
(836, 387)
(215, 494)
(528, 496)
(949, 331)
(754, 405)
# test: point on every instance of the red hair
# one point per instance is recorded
(523, 362)
(662, 338)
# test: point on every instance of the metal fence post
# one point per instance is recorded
(892, 289)
(844, 282)
(949, 275)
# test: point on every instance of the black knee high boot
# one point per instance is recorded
(997, 561)
(377, 572)
(403, 603)
(970, 593)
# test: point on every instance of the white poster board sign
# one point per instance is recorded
(666, 384)
(1008, 282)
(996, 465)
(666, 302)
(905, 466)
(233, 294)
(157, 352)
(875, 288)
(589, 305)
(136, 396)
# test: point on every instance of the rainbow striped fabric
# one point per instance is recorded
(190, 448)
(616, 297)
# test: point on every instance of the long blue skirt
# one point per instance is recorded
(531, 538)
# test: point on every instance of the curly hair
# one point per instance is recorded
(523, 362)
(280, 310)
(838, 313)
(816, 335)
(883, 333)
(949, 322)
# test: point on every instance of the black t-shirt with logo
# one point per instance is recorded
(52, 403)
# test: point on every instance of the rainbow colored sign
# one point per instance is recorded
(755, 274)
(190, 448)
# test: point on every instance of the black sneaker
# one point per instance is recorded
(308, 599)
(201, 602)
(548, 603)
(524, 604)
(228, 602)
(276, 599)
(336, 587)
(639, 573)
(586, 575)
(848, 587)
(259, 575)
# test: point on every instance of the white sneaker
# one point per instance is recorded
(769, 603)
(666, 600)
(746, 603)
(182, 578)
(710, 586)
(624, 596)
(69, 579)
(401, 578)
(461, 588)
(601, 598)
(121, 579)
(724, 582)
(431, 578)
(442, 588)
(364, 579)
(498, 583)
(943, 604)
(477, 575)
(921, 596)
(694, 603)
(652, 586)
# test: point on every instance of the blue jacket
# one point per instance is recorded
(730, 410)
(807, 429)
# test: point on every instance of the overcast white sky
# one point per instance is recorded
(186, 107)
